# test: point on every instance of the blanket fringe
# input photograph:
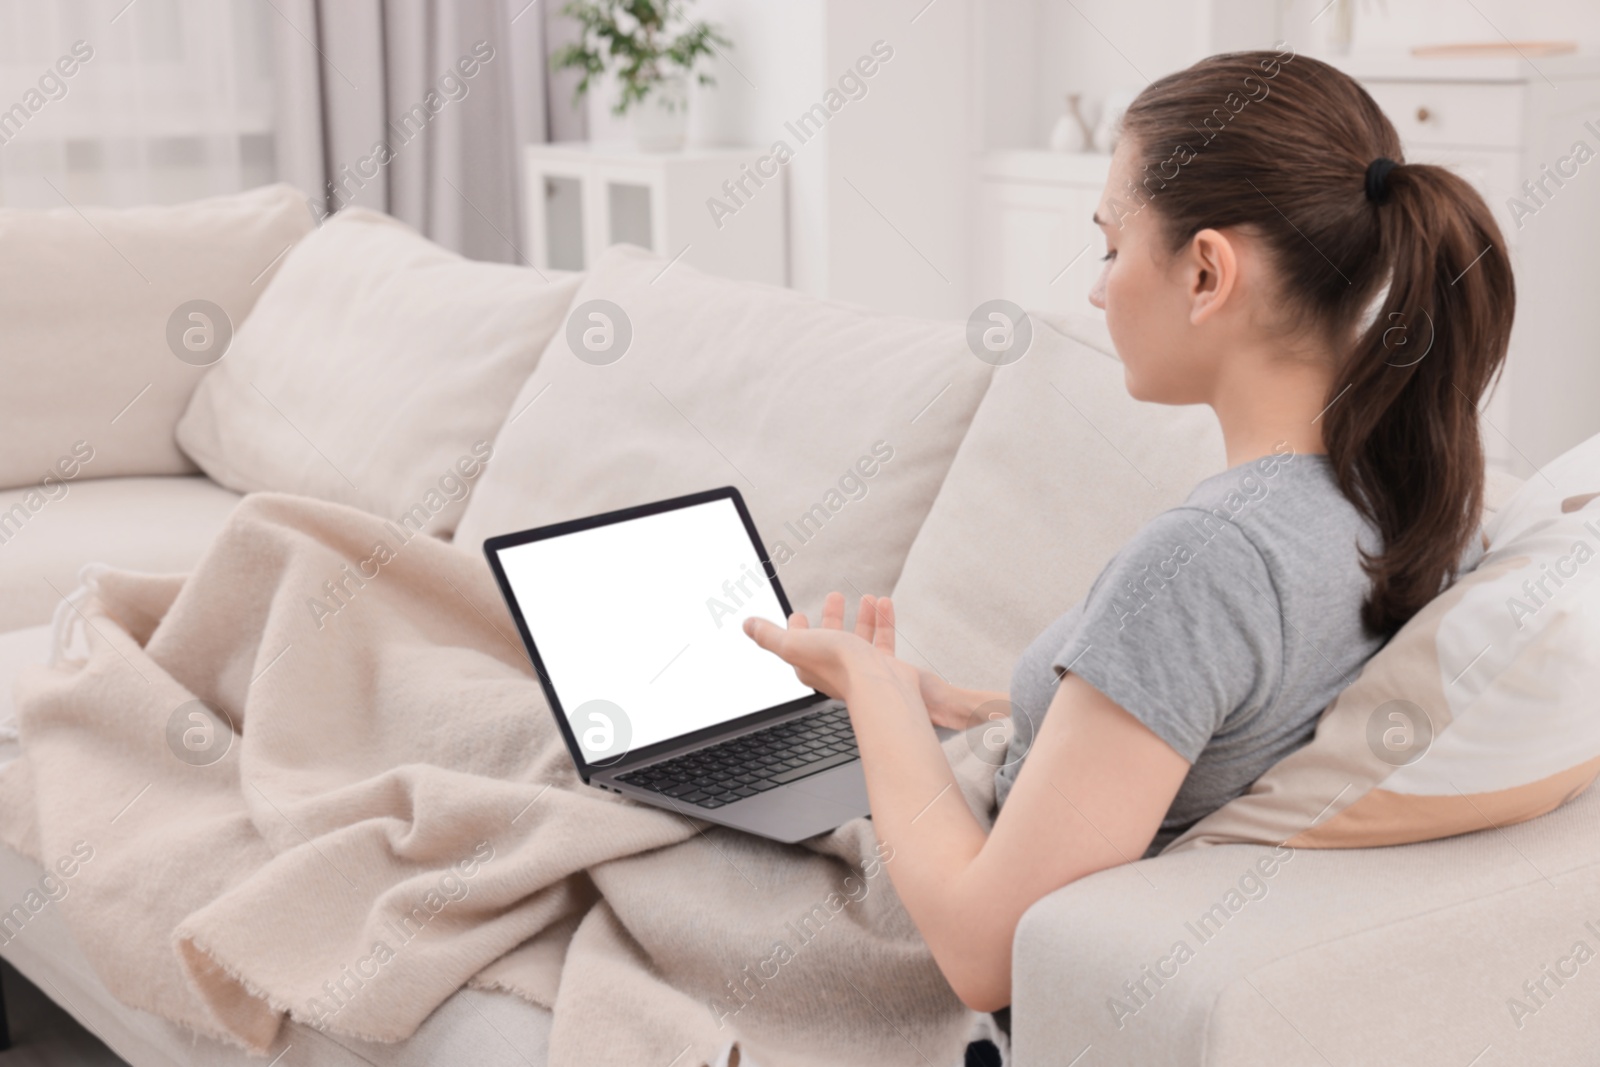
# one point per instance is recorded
(64, 629)
(65, 623)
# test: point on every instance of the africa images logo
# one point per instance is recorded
(599, 332)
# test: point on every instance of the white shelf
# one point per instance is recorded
(1060, 168)
(582, 197)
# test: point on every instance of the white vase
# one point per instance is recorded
(661, 119)
(1071, 133)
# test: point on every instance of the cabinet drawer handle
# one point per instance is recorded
(1423, 114)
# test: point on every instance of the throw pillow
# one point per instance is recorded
(836, 424)
(374, 372)
(1478, 714)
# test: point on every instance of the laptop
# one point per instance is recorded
(634, 621)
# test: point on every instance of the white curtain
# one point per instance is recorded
(166, 100)
(125, 102)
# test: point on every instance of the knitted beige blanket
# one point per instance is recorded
(318, 779)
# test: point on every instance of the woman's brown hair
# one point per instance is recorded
(1293, 151)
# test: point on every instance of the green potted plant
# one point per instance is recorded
(652, 49)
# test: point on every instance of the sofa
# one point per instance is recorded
(162, 362)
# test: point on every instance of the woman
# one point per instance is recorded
(1342, 314)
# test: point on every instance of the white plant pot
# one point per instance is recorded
(661, 119)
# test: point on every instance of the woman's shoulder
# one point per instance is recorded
(1256, 530)
(1241, 489)
(1282, 500)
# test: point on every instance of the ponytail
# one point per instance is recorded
(1301, 155)
(1403, 437)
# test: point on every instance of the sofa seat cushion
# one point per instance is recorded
(18, 649)
(836, 424)
(159, 524)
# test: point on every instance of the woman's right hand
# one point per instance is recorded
(949, 706)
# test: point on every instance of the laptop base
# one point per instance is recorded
(804, 808)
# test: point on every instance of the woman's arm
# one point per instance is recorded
(1091, 795)
(956, 708)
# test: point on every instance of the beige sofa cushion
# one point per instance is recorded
(87, 299)
(791, 399)
(29, 647)
(147, 524)
(1059, 469)
(374, 372)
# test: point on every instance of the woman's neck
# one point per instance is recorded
(1273, 400)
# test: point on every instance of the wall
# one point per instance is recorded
(775, 71)
(1096, 46)
(900, 159)
(1007, 84)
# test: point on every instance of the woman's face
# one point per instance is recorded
(1146, 292)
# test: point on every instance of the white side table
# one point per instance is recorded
(583, 197)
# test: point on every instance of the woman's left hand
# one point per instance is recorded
(829, 658)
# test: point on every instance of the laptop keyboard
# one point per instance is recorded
(753, 763)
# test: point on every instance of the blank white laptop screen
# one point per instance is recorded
(648, 614)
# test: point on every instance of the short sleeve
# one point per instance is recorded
(1182, 629)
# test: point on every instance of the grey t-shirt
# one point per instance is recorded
(1225, 626)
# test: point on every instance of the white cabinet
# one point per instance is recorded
(718, 209)
(1036, 243)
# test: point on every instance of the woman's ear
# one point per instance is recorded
(1213, 273)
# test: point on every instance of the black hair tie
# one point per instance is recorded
(1378, 178)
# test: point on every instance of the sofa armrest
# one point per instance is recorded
(1416, 954)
